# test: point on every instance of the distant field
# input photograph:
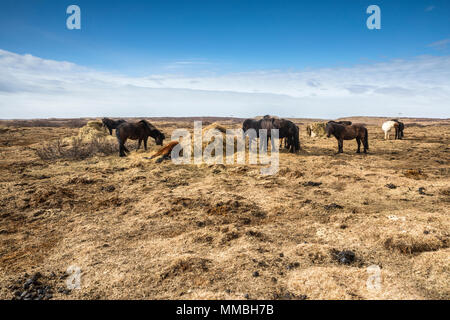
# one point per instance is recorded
(145, 230)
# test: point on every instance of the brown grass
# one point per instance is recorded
(145, 230)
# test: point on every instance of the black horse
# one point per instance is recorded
(399, 130)
(111, 124)
(292, 143)
(342, 132)
(251, 124)
(137, 131)
(289, 131)
(248, 125)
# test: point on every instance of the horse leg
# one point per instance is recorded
(121, 149)
(341, 146)
(125, 148)
(121, 145)
(145, 143)
(139, 144)
(358, 141)
(121, 152)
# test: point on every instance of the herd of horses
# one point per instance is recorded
(288, 132)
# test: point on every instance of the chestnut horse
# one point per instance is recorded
(348, 132)
(137, 131)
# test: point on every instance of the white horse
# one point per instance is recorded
(387, 127)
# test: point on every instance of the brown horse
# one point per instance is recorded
(137, 131)
(348, 132)
(166, 150)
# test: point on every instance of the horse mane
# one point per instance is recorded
(337, 127)
(154, 132)
(148, 125)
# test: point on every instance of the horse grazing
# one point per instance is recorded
(399, 132)
(290, 132)
(388, 126)
(137, 131)
(343, 132)
(286, 129)
(111, 124)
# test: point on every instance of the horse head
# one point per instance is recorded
(329, 128)
(106, 123)
(151, 131)
(159, 137)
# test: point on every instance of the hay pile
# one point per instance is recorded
(93, 133)
(316, 129)
(206, 142)
(216, 126)
(92, 130)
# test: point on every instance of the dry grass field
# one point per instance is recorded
(145, 230)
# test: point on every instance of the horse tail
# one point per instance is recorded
(296, 139)
(366, 139)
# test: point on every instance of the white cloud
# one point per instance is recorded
(441, 44)
(31, 87)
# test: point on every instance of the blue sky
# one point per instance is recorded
(187, 43)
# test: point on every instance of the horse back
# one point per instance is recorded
(131, 131)
(353, 131)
